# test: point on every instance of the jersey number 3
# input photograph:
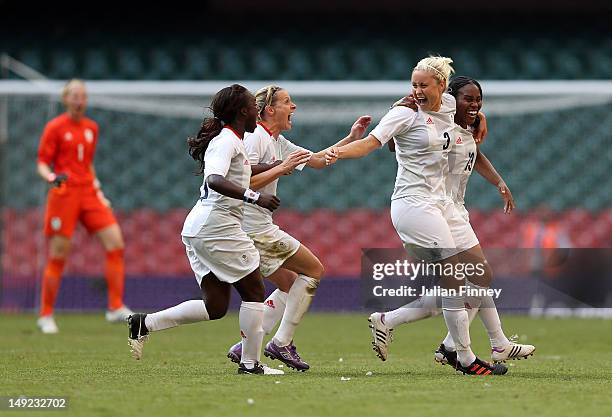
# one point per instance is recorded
(447, 137)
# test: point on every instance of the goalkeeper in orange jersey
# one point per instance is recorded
(65, 161)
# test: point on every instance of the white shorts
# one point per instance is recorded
(458, 220)
(422, 226)
(274, 246)
(230, 255)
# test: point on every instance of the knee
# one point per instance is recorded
(257, 293)
(59, 250)
(318, 270)
(487, 276)
(215, 310)
(252, 291)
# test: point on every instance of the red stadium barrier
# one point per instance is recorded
(153, 244)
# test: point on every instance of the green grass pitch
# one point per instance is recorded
(184, 371)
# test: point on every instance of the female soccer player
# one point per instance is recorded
(294, 269)
(463, 158)
(65, 160)
(219, 251)
(419, 205)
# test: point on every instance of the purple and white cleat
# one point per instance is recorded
(286, 354)
(235, 352)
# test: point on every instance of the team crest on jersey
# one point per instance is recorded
(56, 223)
(459, 141)
(88, 135)
(244, 258)
(270, 303)
(429, 121)
(246, 162)
(68, 136)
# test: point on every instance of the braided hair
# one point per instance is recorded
(225, 107)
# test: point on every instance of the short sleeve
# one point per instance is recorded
(48, 146)
(286, 147)
(219, 156)
(254, 145)
(397, 120)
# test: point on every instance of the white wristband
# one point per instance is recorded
(51, 177)
(251, 196)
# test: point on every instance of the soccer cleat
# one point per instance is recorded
(512, 351)
(382, 335)
(259, 369)
(480, 367)
(235, 352)
(119, 315)
(445, 356)
(138, 334)
(47, 325)
(286, 354)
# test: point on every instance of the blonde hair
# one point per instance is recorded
(440, 66)
(265, 97)
(71, 83)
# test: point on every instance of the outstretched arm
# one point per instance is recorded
(317, 160)
(486, 169)
(353, 150)
(278, 169)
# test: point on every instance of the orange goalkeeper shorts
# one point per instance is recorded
(68, 204)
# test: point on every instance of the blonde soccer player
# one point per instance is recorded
(219, 251)
(463, 158)
(290, 265)
(419, 204)
(65, 161)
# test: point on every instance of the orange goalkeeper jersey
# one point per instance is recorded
(69, 146)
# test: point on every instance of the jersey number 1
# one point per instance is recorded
(80, 152)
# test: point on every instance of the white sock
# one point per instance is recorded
(274, 309)
(191, 311)
(457, 321)
(490, 318)
(472, 305)
(419, 309)
(250, 319)
(298, 300)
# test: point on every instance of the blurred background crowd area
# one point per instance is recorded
(555, 160)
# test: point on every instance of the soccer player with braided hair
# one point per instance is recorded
(219, 251)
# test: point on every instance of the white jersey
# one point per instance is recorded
(262, 147)
(461, 161)
(422, 142)
(225, 156)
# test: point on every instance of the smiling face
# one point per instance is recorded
(75, 99)
(469, 103)
(427, 90)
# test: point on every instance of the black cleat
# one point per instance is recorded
(138, 334)
(256, 370)
(480, 367)
(445, 356)
(259, 369)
